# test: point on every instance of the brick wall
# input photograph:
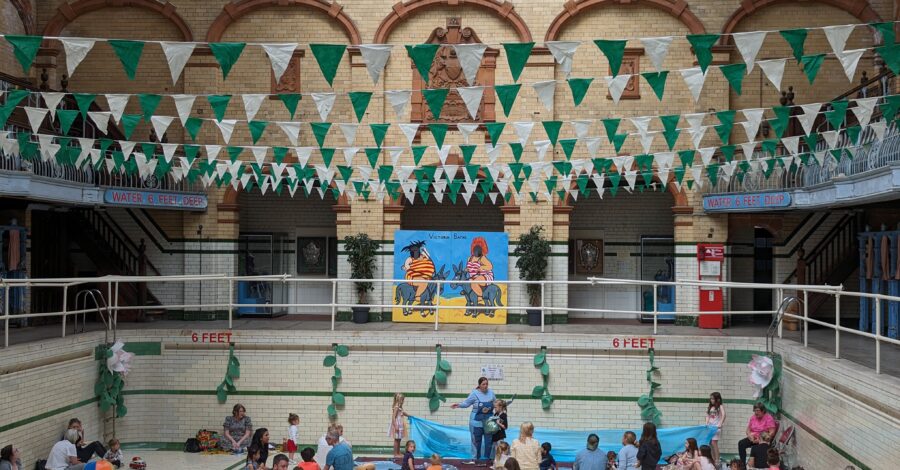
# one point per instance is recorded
(10, 23)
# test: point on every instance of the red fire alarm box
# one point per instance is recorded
(709, 267)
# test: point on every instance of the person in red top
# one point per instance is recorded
(309, 463)
(760, 422)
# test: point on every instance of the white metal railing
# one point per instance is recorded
(228, 303)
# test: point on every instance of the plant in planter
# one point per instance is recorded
(361, 255)
(533, 252)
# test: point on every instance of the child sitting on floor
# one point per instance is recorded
(308, 455)
(547, 460)
(114, 454)
(501, 456)
(611, 461)
(435, 462)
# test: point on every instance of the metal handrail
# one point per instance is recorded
(100, 307)
(775, 326)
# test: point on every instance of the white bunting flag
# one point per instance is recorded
(493, 152)
(582, 127)
(697, 173)
(647, 141)
(451, 171)
(349, 131)
(409, 130)
(303, 154)
(443, 153)
(101, 119)
(183, 104)
(375, 56)
(349, 153)
(160, 124)
(697, 136)
(617, 85)
(35, 118)
(664, 160)
(466, 129)
(212, 152)
(663, 175)
(280, 56)
(729, 169)
(86, 145)
(706, 154)
(748, 149)
(849, 61)
(259, 154)
(748, 44)
(545, 91)
(523, 130)
(399, 99)
(830, 138)
(695, 121)
(169, 151)
(52, 99)
(630, 178)
(792, 144)
(657, 49)
(96, 157)
(808, 118)
(471, 96)
(593, 146)
(324, 103)
(694, 79)
(837, 37)
(470, 56)
(599, 182)
(76, 50)
(117, 105)
(863, 110)
(751, 125)
(252, 103)
(564, 54)
(641, 124)
(127, 147)
(48, 148)
(541, 146)
(290, 129)
(226, 127)
(395, 154)
(177, 56)
(623, 162)
(879, 127)
(820, 156)
(774, 70)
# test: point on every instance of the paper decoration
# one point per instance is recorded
(291, 130)
(751, 126)
(324, 103)
(76, 50)
(579, 88)
(694, 79)
(657, 82)
(226, 54)
(891, 56)
(328, 56)
(774, 71)
(398, 100)
(849, 60)
(280, 57)
(517, 55)
(564, 54)
(614, 50)
(523, 131)
(506, 94)
(748, 44)
(617, 86)
(761, 372)
(256, 129)
(422, 56)
(472, 96)
(435, 98)
(470, 56)
(252, 102)
(101, 120)
(657, 49)
(863, 110)
(702, 44)
(129, 54)
(808, 118)
(183, 105)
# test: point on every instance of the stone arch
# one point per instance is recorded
(677, 8)
(861, 9)
(26, 14)
(234, 11)
(401, 11)
(68, 12)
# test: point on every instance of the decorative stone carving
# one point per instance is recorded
(589, 256)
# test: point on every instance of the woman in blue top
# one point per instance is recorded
(482, 402)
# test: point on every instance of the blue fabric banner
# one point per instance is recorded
(455, 442)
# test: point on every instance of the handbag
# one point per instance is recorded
(192, 445)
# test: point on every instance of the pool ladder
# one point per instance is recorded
(83, 302)
(772, 332)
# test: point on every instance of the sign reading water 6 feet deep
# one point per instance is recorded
(126, 197)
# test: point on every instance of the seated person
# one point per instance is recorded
(760, 422)
(63, 455)
(759, 453)
(85, 451)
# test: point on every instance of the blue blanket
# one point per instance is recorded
(455, 442)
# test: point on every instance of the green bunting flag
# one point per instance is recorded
(887, 32)
(836, 114)
(494, 130)
(14, 97)
(418, 151)
(811, 140)
(67, 117)
(563, 168)
(422, 56)
(686, 157)
(84, 101)
(472, 171)
(320, 131)
(290, 101)
(435, 98)
(149, 103)
(552, 130)
(378, 132)
(328, 56)
(129, 53)
(734, 73)
(712, 172)
(782, 116)
(853, 134)
(148, 149)
(702, 44)
(279, 154)
(129, 122)
(345, 171)
(256, 129)
(614, 178)
(811, 65)
(517, 55)
(728, 152)
(372, 155)
(795, 38)
(579, 87)
(726, 117)
(384, 173)
(235, 151)
(612, 126)
(360, 101)
(657, 82)
(219, 103)
(192, 126)
(614, 50)
(670, 129)
(568, 146)
(327, 155)
(517, 149)
(227, 53)
(467, 150)
(438, 131)
(25, 49)
(890, 107)
(5, 111)
(769, 146)
(619, 140)
(507, 96)
(891, 56)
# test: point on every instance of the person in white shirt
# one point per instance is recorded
(324, 447)
(64, 455)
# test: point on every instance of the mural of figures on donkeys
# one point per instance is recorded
(421, 255)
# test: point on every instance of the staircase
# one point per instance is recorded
(833, 259)
(115, 254)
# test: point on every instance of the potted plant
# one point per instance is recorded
(361, 256)
(533, 251)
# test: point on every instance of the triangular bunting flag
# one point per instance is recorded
(657, 82)
(545, 91)
(279, 56)
(748, 44)
(435, 98)
(177, 56)
(183, 105)
(837, 37)
(422, 56)
(328, 56)
(398, 100)
(564, 54)
(410, 130)
(252, 102)
(76, 50)
(774, 71)
(101, 119)
(811, 65)
(226, 127)
(523, 130)
(290, 100)
(579, 88)
(694, 79)
(291, 130)
(226, 54)
(256, 129)
(702, 44)
(360, 101)
(617, 86)
(734, 73)
(795, 38)
(614, 50)
(375, 56)
(25, 49)
(219, 104)
(657, 49)
(849, 60)
(506, 94)
(516, 56)
(324, 103)
(470, 56)
(472, 96)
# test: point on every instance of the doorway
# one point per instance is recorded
(763, 272)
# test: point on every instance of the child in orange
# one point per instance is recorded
(435, 462)
(308, 455)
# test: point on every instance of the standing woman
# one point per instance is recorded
(525, 449)
(482, 402)
(715, 416)
(649, 450)
(237, 429)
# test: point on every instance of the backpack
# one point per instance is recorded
(40, 465)
(192, 445)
